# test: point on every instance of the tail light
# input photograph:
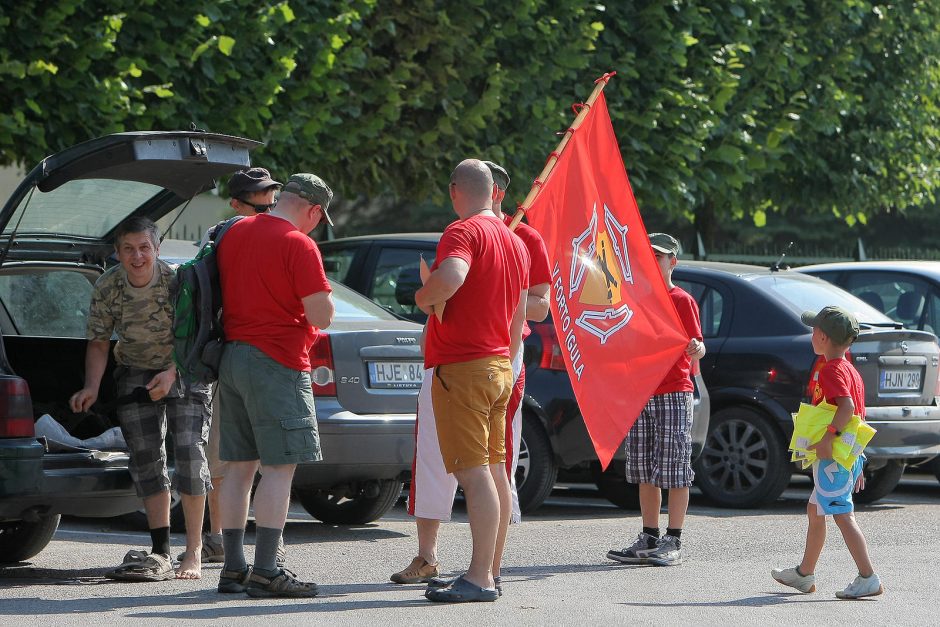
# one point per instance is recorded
(552, 358)
(16, 409)
(322, 370)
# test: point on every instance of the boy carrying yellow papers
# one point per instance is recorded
(830, 435)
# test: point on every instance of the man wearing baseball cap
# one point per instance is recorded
(276, 296)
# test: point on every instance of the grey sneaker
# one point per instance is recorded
(862, 587)
(637, 552)
(790, 577)
(668, 552)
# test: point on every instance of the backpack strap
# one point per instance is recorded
(216, 233)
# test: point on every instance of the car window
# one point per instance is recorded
(397, 278)
(801, 293)
(710, 303)
(902, 297)
(43, 303)
(336, 261)
(88, 207)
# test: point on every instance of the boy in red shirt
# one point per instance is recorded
(659, 446)
(839, 384)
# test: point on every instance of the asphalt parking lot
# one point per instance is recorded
(556, 570)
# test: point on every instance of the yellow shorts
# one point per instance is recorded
(469, 400)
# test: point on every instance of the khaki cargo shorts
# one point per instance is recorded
(469, 400)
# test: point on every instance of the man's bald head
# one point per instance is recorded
(473, 181)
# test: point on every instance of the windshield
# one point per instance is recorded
(802, 295)
(84, 207)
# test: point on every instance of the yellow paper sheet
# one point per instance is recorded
(809, 426)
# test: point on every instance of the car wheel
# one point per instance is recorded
(138, 519)
(880, 482)
(22, 539)
(536, 471)
(613, 486)
(368, 503)
(744, 462)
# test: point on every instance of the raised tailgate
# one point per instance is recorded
(377, 370)
(899, 367)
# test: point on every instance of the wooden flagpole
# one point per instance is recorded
(553, 157)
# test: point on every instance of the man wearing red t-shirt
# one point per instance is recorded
(431, 497)
(275, 294)
(659, 446)
(477, 287)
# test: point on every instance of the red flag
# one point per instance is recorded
(618, 329)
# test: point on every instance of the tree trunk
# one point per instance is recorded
(706, 226)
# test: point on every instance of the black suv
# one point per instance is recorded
(758, 365)
(56, 233)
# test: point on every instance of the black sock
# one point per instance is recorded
(266, 550)
(233, 544)
(675, 533)
(651, 531)
(160, 537)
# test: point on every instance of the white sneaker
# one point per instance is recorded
(862, 587)
(790, 577)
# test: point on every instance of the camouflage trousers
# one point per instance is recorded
(185, 413)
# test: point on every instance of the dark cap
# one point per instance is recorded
(311, 188)
(664, 243)
(500, 175)
(250, 180)
(839, 324)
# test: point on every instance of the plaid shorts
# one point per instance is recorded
(186, 411)
(659, 446)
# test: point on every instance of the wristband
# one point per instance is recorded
(833, 430)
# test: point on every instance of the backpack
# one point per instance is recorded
(197, 311)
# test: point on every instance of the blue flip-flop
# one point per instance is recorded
(461, 591)
(443, 582)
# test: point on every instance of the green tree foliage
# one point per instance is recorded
(723, 107)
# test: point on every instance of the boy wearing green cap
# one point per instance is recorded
(839, 384)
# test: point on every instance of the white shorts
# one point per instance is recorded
(432, 488)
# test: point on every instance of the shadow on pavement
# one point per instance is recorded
(769, 599)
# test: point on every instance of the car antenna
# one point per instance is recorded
(776, 267)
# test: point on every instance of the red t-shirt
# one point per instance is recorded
(838, 378)
(679, 378)
(478, 316)
(266, 266)
(539, 270)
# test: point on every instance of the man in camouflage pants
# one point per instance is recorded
(132, 301)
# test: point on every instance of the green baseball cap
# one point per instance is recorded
(839, 324)
(311, 187)
(500, 175)
(664, 243)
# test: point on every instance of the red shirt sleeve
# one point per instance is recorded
(455, 242)
(539, 271)
(834, 382)
(689, 316)
(306, 266)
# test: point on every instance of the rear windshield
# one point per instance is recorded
(84, 207)
(802, 295)
(353, 306)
